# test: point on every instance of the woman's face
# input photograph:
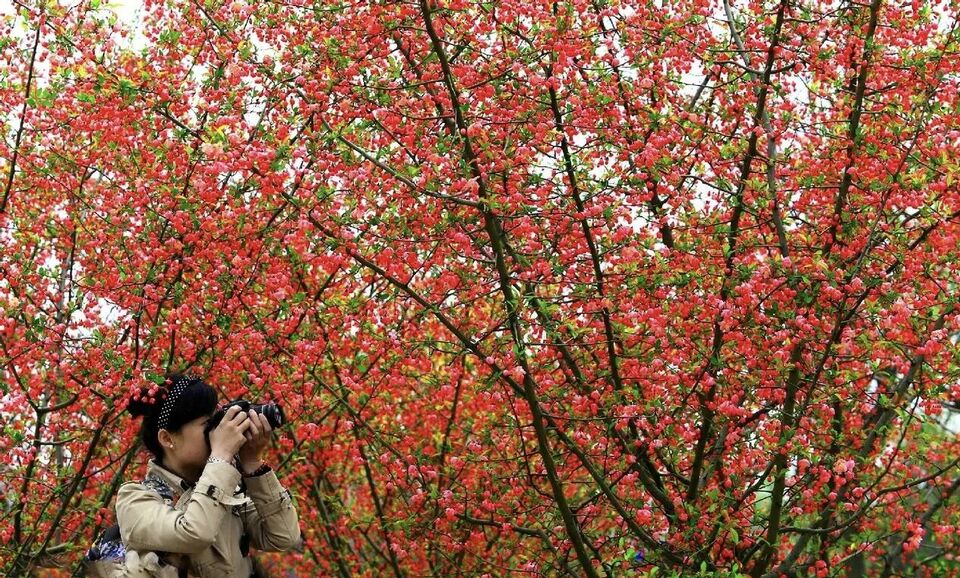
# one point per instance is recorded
(190, 448)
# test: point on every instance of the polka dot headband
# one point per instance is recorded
(171, 398)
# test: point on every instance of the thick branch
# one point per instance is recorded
(494, 231)
(853, 127)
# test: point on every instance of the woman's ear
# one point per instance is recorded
(166, 439)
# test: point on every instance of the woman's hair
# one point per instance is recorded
(180, 400)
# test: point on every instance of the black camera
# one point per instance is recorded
(271, 411)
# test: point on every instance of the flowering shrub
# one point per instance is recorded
(576, 288)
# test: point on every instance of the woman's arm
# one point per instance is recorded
(147, 523)
(269, 518)
(270, 521)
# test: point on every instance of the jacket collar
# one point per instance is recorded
(173, 481)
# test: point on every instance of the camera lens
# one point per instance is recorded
(273, 413)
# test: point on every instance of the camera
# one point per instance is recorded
(271, 411)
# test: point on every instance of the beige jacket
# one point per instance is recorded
(200, 528)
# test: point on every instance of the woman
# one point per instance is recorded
(207, 498)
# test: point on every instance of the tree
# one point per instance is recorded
(561, 288)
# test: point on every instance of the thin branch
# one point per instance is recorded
(23, 114)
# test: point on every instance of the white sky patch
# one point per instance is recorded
(130, 16)
(7, 8)
(128, 11)
(110, 313)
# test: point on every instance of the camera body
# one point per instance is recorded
(271, 411)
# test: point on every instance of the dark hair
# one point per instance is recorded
(195, 400)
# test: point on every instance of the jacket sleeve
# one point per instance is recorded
(147, 523)
(269, 518)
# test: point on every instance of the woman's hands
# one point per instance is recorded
(243, 434)
(257, 437)
(227, 438)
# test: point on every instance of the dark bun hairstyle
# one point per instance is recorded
(195, 400)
